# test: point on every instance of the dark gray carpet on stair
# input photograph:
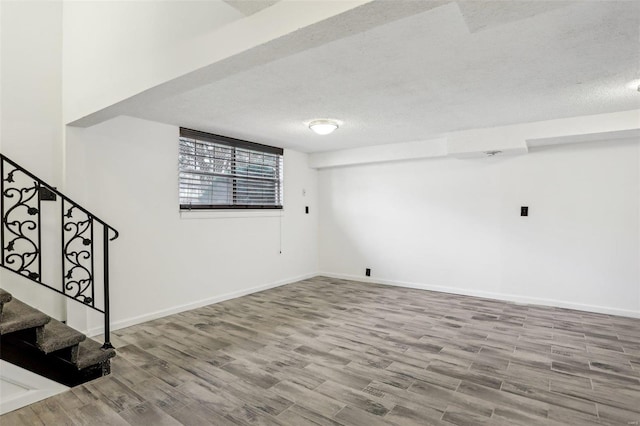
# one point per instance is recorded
(57, 335)
(91, 353)
(20, 316)
(54, 335)
(5, 296)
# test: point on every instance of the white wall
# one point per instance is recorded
(31, 83)
(163, 263)
(454, 225)
(31, 120)
(117, 49)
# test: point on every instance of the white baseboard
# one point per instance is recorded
(466, 292)
(116, 325)
(490, 295)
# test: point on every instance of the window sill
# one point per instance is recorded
(230, 214)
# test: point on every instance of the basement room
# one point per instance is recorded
(319, 212)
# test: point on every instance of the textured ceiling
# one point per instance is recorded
(458, 65)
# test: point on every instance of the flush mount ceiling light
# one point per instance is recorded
(634, 84)
(323, 127)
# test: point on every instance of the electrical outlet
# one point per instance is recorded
(367, 272)
(524, 211)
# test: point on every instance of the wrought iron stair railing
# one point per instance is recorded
(26, 201)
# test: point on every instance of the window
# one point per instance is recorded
(217, 172)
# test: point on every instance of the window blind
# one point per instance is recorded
(218, 172)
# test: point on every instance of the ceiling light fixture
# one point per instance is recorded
(323, 127)
(634, 84)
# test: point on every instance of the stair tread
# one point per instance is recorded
(20, 316)
(59, 336)
(5, 296)
(91, 353)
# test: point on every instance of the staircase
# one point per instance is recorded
(35, 215)
(36, 342)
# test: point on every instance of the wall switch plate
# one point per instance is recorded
(367, 272)
(306, 209)
(524, 211)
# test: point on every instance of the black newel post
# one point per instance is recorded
(107, 332)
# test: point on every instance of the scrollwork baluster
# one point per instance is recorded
(20, 223)
(78, 254)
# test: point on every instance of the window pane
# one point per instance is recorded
(222, 175)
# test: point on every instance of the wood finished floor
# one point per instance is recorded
(333, 352)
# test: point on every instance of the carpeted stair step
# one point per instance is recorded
(56, 335)
(20, 316)
(91, 353)
(5, 297)
(32, 340)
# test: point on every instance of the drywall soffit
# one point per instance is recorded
(631, 134)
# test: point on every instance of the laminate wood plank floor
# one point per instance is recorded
(332, 352)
